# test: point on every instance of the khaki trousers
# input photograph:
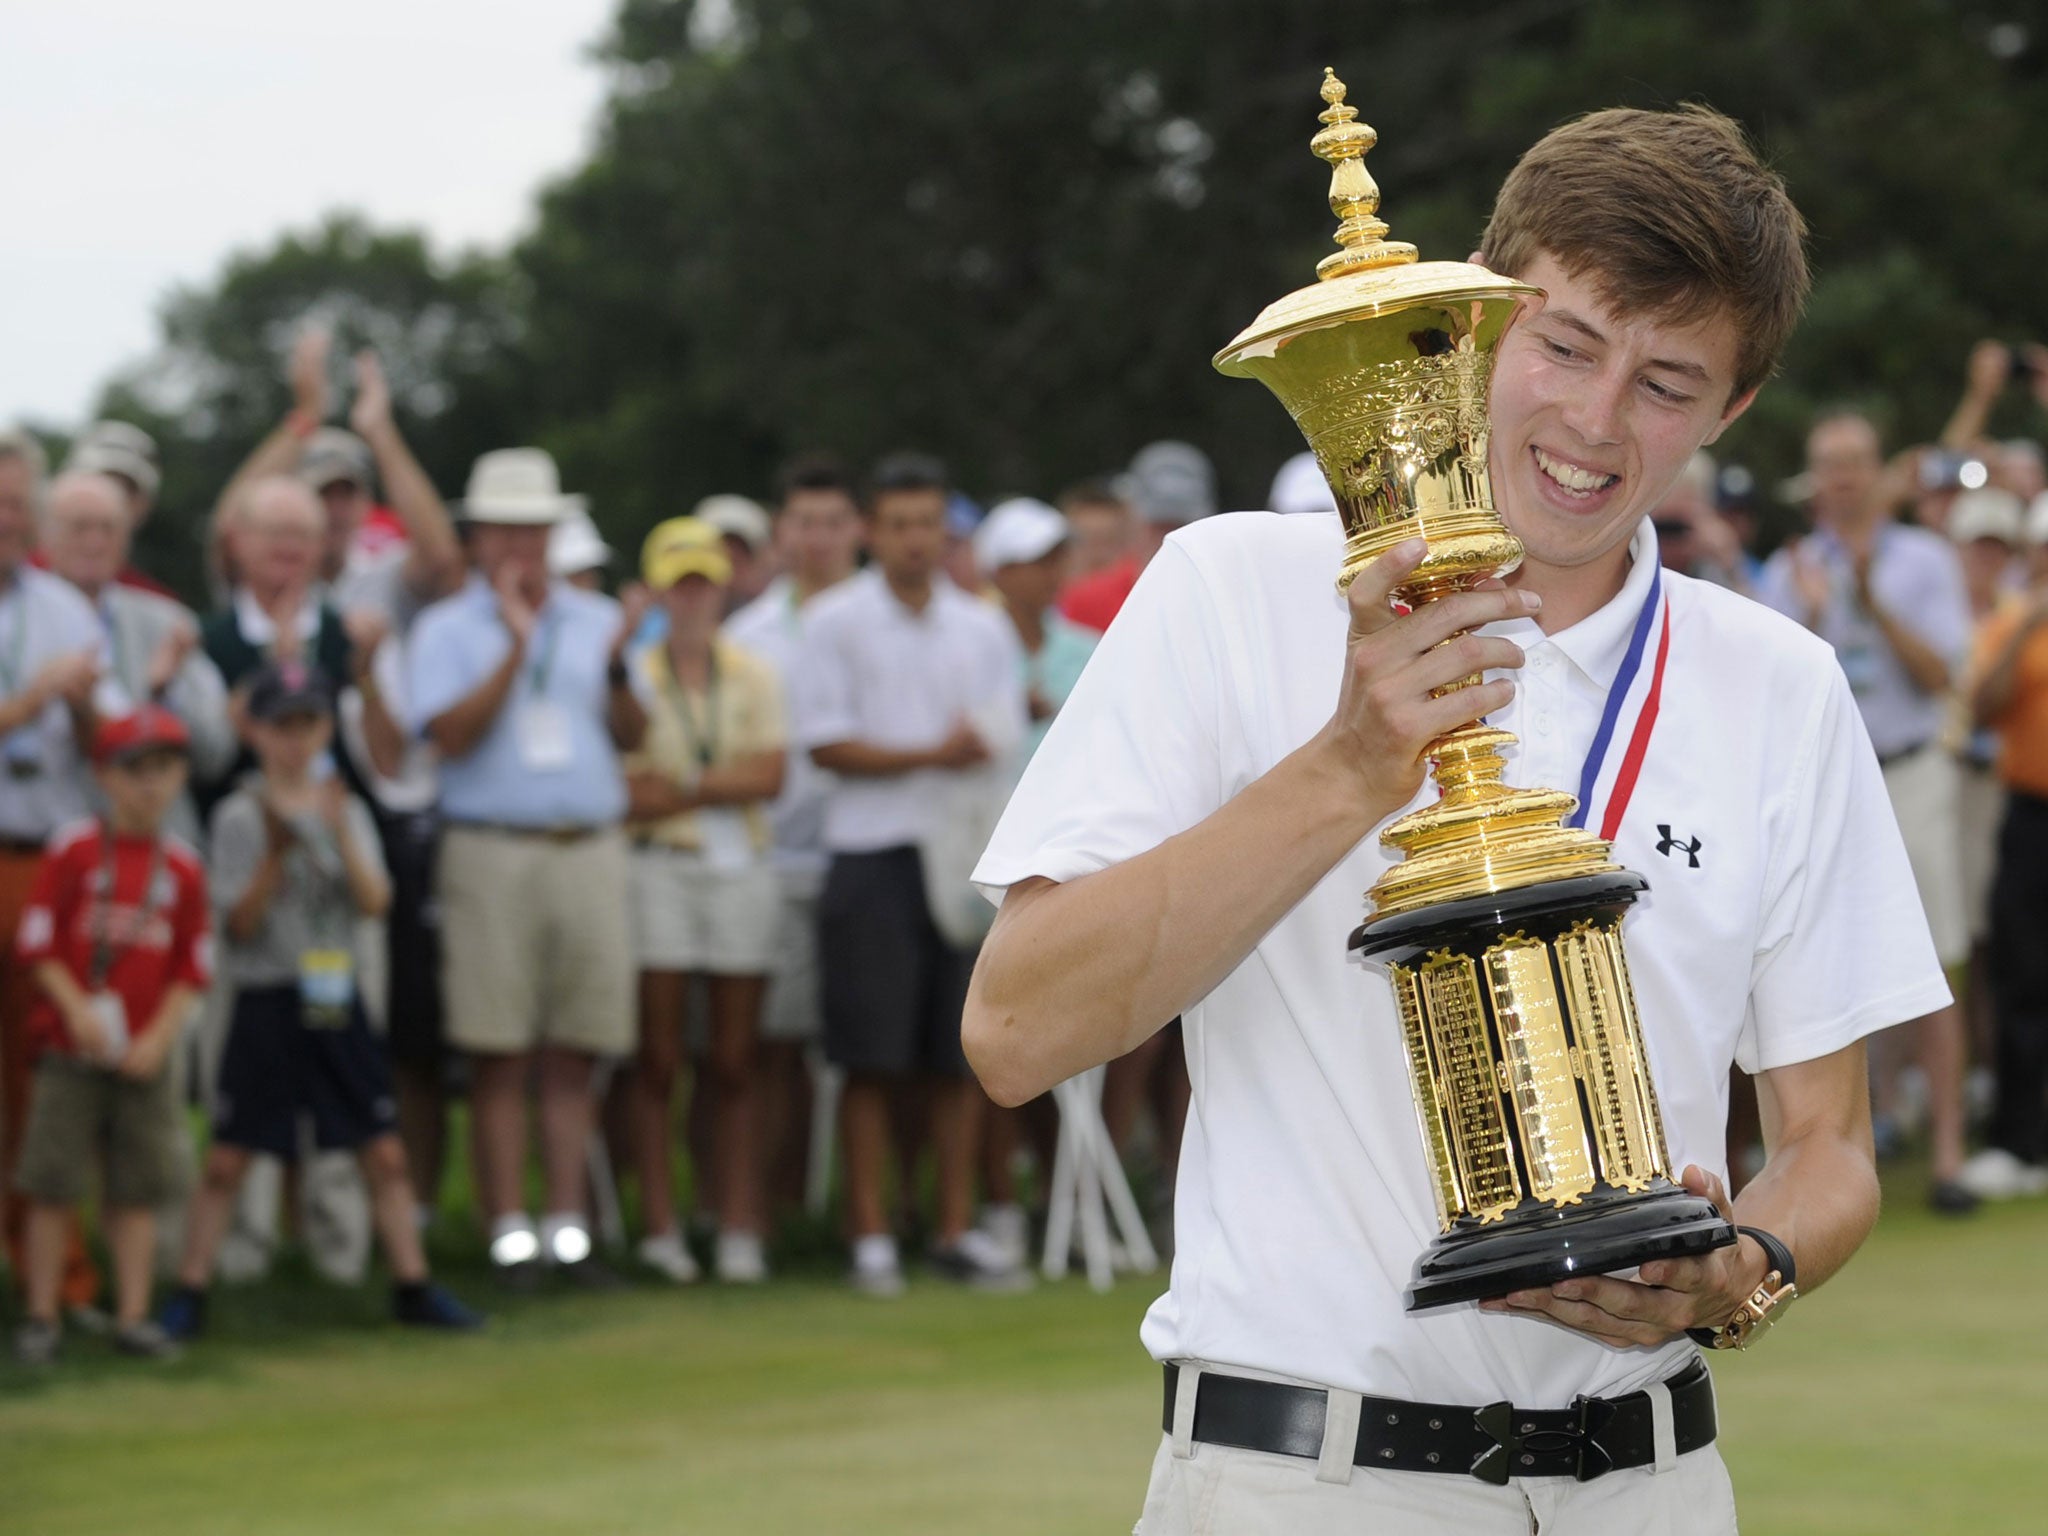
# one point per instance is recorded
(1215, 1490)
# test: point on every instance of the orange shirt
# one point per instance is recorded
(2022, 725)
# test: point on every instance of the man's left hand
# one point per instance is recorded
(1670, 1295)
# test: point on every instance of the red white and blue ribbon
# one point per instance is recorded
(1615, 759)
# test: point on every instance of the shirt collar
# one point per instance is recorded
(1599, 641)
(256, 625)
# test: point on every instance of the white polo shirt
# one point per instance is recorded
(1781, 924)
(876, 672)
(771, 627)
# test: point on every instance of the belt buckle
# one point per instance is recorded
(1590, 1459)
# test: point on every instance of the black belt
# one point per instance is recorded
(1494, 1443)
(561, 834)
(1886, 759)
(28, 847)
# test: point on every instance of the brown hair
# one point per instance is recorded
(1670, 214)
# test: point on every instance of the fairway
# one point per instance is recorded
(1909, 1396)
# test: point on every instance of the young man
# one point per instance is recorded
(1194, 835)
(907, 682)
(296, 867)
(116, 933)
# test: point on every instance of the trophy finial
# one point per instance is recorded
(1354, 196)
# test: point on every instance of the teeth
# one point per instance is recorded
(1570, 476)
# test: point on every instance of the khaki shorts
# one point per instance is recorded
(690, 917)
(1922, 787)
(83, 1117)
(534, 942)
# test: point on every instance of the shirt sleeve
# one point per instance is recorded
(49, 900)
(1844, 945)
(234, 849)
(1944, 616)
(1135, 756)
(825, 708)
(442, 670)
(1774, 585)
(768, 725)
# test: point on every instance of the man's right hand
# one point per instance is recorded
(963, 749)
(69, 677)
(513, 607)
(1387, 710)
(89, 1034)
(308, 372)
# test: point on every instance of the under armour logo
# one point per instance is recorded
(1668, 845)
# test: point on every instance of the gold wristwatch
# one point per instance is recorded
(1765, 1304)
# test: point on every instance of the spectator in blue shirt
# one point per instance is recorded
(519, 683)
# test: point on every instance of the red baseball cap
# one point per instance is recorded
(151, 728)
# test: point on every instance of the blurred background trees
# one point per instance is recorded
(1017, 234)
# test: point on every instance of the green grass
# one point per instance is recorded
(1908, 1396)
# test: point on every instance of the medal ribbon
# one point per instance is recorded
(1610, 715)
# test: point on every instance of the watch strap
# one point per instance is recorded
(1776, 1252)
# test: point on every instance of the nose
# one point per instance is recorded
(1596, 413)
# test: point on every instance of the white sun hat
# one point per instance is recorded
(574, 544)
(1300, 487)
(1017, 532)
(518, 486)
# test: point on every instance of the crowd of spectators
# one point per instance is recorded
(678, 877)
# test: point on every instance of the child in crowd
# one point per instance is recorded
(116, 936)
(295, 865)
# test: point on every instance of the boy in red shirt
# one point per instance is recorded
(116, 934)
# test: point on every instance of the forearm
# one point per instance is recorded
(60, 986)
(456, 731)
(863, 760)
(1966, 426)
(383, 737)
(1077, 974)
(172, 1012)
(1993, 694)
(368, 886)
(1819, 1196)
(626, 718)
(1923, 664)
(740, 782)
(246, 917)
(22, 708)
(434, 553)
(277, 454)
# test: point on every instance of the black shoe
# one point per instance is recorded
(36, 1343)
(145, 1341)
(427, 1305)
(591, 1274)
(183, 1314)
(1948, 1198)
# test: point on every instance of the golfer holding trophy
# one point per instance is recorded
(1451, 1228)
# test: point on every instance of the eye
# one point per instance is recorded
(1666, 394)
(1558, 349)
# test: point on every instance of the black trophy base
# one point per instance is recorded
(1538, 1245)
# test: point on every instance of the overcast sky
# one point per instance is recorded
(142, 141)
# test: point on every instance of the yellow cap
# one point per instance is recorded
(684, 546)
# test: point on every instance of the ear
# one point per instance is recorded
(1478, 259)
(1735, 409)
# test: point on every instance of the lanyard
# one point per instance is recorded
(700, 743)
(1610, 714)
(11, 677)
(544, 660)
(105, 953)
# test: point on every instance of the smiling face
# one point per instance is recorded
(1594, 417)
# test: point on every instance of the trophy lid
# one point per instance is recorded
(1368, 275)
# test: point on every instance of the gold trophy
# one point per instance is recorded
(1500, 930)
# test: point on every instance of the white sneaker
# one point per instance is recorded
(667, 1257)
(1995, 1174)
(1011, 1230)
(740, 1259)
(877, 1271)
(978, 1260)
